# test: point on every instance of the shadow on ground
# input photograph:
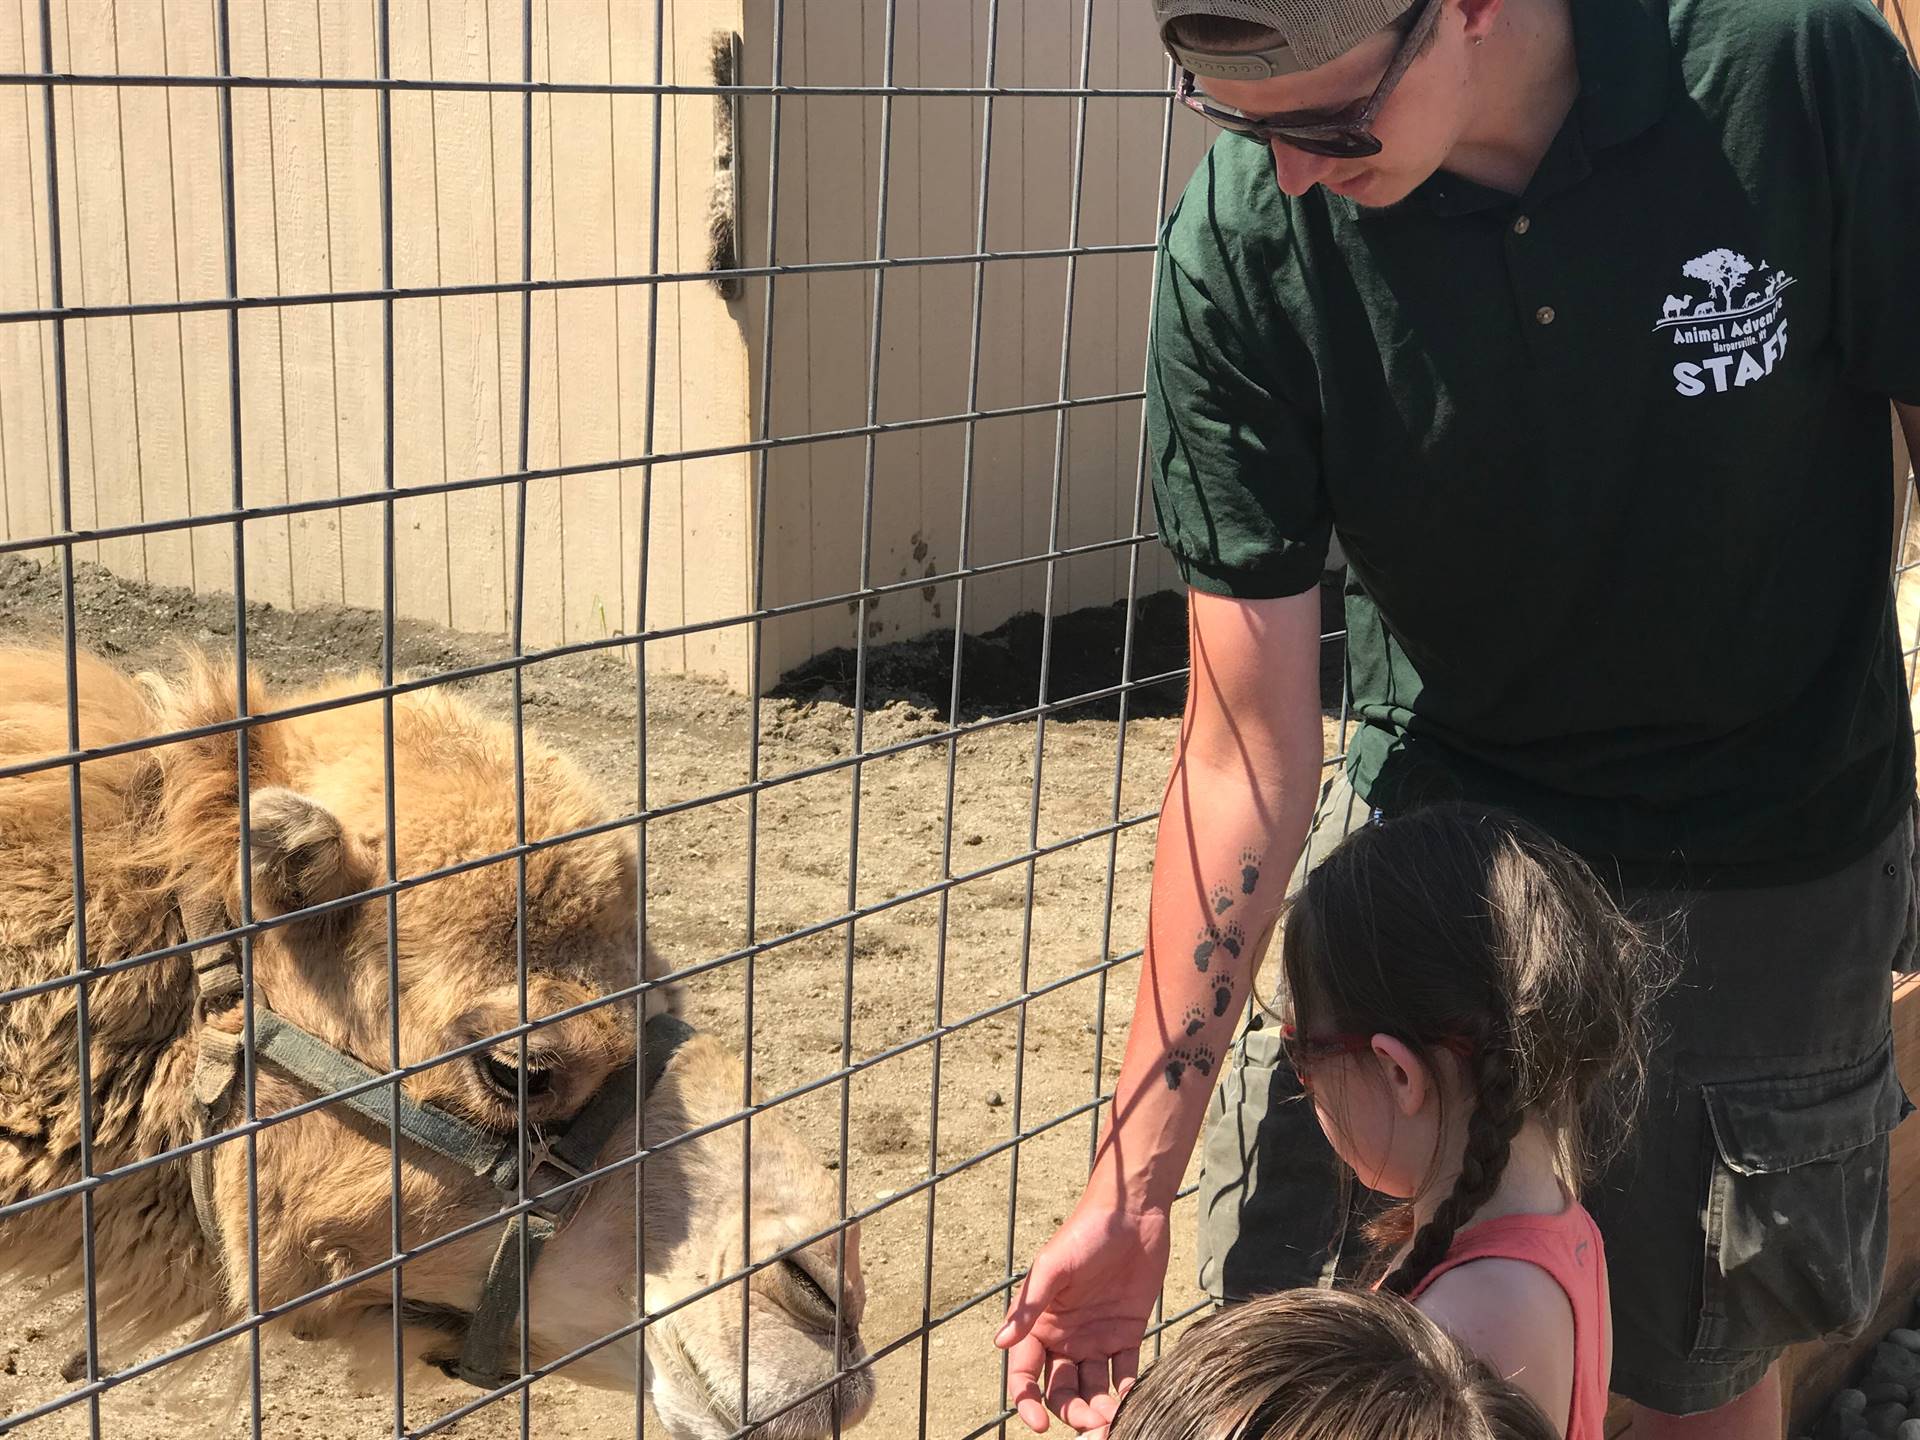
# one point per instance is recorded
(1087, 654)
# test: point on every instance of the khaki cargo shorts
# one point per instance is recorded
(1750, 1211)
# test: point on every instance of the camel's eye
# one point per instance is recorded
(805, 1296)
(503, 1078)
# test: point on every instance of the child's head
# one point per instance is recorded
(1323, 1365)
(1456, 967)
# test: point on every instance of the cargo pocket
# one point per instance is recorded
(1909, 958)
(1796, 1206)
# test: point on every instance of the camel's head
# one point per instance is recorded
(793, 1306)
(462, 945)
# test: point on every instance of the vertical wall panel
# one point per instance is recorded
(153, 274)
(79, 191)
(263, 361)
(193, 161)
(466, 195)
(587, 360)
(26, 490)
(142, 220)
(821, 321)
(310, 455)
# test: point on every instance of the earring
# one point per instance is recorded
(1478, 41)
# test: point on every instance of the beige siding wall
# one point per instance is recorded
(141, 220)
(829, 185)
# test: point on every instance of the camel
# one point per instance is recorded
(161, 841)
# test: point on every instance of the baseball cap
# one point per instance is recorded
(1312, 33)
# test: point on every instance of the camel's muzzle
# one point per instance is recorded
(543, 1195)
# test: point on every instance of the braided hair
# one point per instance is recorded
(1490, 1131)
(1458, 926)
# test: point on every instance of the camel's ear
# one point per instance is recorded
(670, 998)
(301, 856)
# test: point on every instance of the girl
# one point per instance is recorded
(1323, 1365)
(1468, 1018)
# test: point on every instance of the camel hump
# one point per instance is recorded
(34, 726)
(33, 705)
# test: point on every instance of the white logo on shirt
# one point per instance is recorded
(1736, 331)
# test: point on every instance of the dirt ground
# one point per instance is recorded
(1014, 1070)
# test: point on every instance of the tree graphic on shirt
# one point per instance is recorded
(1723, 270)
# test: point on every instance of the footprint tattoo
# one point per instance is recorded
(1199, 1059)
(1229, 938)
(1220, 898)
(1222, 998)
(1196, 1020)
(1249, 871)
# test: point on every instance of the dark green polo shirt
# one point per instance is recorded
(1609, 459)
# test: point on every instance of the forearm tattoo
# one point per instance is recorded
(1249, 871)
(1213, 940)
(1216, 948)
(1199, 1058)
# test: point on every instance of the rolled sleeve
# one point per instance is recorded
(1237, 484)
(1871, 103)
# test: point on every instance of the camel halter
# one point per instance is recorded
(554, 1158)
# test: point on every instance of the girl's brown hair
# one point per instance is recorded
(1457, 923)
(1324, 1365)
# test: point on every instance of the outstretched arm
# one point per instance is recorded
(1245, 778)
(1238, 803)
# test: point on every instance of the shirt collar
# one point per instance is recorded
(1622, 51)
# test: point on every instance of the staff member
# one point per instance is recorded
(1578, 320)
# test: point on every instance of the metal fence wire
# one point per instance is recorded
(846, 616)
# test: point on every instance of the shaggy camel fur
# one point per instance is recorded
(163, 823)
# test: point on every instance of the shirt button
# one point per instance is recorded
(1544, 314)
(1522, 225)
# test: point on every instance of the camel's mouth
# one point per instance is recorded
(719, 1400)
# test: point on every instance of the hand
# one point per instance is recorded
(1075, 1327)
(1108, 1408)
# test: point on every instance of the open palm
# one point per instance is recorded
(1075, 1326)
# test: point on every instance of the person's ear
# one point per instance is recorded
(1406, 1074)
(1477, 17)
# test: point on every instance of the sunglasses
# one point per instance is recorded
(1340, 135)
(1302, 1051)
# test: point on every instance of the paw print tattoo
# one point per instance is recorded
(1196, 1020)
(1222, 996)
(1214, 938)
(1249, 871)
(1199, 1059)
(1220, 899)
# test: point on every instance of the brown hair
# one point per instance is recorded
(1324, 1365)
(1457, 923)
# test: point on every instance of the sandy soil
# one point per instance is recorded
(1013, 1070)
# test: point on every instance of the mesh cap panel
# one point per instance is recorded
(1315, 30)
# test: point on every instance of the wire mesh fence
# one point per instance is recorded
(313, 329)
(661, 490)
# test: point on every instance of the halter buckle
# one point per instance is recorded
(547, 1170)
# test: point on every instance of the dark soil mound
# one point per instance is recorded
(1000, 670)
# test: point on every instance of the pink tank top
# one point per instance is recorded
(1567, 1246)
